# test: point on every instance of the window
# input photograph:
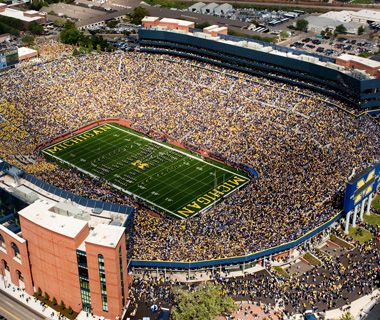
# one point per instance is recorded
(19, 275)
(83, 280)
(102, 277)
(5, 265)
(121, 276)
(2, 242)
(16, 251)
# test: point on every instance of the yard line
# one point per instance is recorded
(117, 187)
(174, 184)
(179, 151)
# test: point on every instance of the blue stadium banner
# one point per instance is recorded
(361, 186)
(8, 57)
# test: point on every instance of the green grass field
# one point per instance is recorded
(376, 202)
(362, 236)
(165, 177)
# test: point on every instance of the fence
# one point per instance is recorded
(119, 208)
(234, 260)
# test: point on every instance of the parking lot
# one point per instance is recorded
(334, 47)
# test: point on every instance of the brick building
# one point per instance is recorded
(84, 267)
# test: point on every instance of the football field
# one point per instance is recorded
(167, 178)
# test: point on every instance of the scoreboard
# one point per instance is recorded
(8, 57)
(361, 186)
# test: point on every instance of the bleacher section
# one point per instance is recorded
(279, 63)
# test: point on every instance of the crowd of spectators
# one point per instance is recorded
(301, 143)
(335, 284)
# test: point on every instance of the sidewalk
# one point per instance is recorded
(357, 308)
(28, 300)
(36, 305)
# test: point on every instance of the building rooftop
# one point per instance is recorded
(363, 61)
(211, 6)
(290, 53)
(197, 5)
(224, 6)
(41, 214)
(323, 21)
(105, 235)
(369, 14)
(149, 19)
(177, 21)
(23, 51)
(19, 15)
(343, 16)
(12, 234)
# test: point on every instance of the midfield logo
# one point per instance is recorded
(139, 164)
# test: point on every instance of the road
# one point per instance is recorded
(307, 5)
(12, 310)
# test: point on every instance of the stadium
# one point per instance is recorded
(213, 166)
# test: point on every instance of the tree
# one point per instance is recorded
(138, 14)
(302, 25)
(46, 296)
(341, 29)
(39, 292)
(59, 22)
(69, 25)
(284, 34)
(76, 52)
(326, 33)
(204, 303)
(35, 28)
(62, 305)
(361, 30)
(112, 23)
(70, 310)
(54, 301)
(28, 39)
(202, 25)
(70, 36)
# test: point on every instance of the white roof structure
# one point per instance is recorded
(26, 194)
(196, 7)
(362, 16)
(209, 8)
(149, 19)
(105, 235)
(364, 61)
(177, 21)
(319, 23)
(366, 15)
(223, 9)
(342, 16)
(41, 214)
(10, 233)
(17, 14)
(25, 53)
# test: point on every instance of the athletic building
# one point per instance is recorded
(354, 82)
(82, 263)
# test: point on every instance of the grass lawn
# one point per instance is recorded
(363, 237)
(312, 259)
(281, 271)
(162, 176)
(376, 202)
(341, 242)
(363, 1)
(70, 314)
(373, 219)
